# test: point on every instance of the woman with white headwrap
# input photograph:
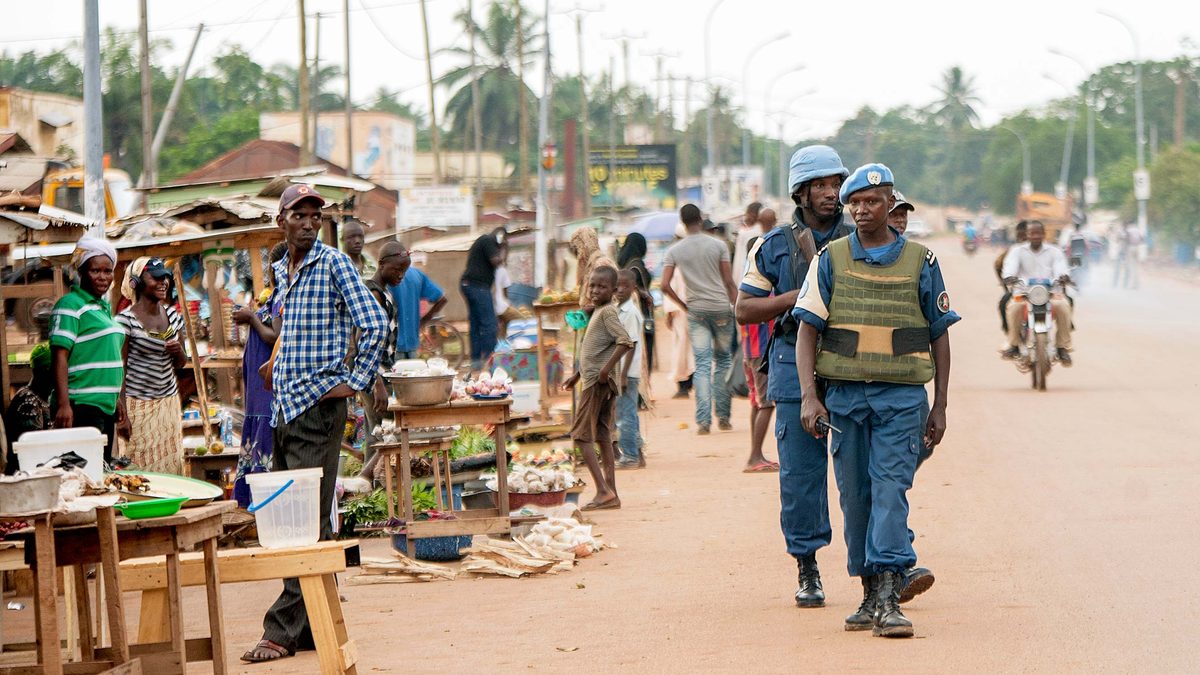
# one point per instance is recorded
(86, 344)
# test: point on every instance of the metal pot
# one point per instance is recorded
(433, 390)
(29, 494)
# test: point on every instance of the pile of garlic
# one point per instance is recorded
(530, 480)
(563, 534)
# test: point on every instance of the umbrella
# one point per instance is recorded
(657, 226)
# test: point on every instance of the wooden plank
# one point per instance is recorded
(175, 605)
(347, 648)
(107, 528)
(320, 619)
(71, 606)
(133, 667)
(5, 375)
(446, 417)
(152, 622)
(85, 668)
(158, 659)
(46, 597)
(83, 609)
(197, 649)
(188, 536)
(256, 270)
(36, 290)
(437, 484)
(182, 517)
(451, 528)
(502, 466)
(238, 566)
(201, 383)
(216, 622)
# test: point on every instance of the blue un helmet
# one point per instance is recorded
(812, 162)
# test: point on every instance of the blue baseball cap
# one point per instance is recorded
(866, 176)
(812, 162)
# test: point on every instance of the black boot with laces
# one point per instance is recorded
(810, 593)
(864, 618)
(889, 620)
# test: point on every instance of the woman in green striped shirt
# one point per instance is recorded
(86, 343)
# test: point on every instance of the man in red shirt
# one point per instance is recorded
(755, 341)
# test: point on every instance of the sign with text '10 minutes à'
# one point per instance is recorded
(441, 207)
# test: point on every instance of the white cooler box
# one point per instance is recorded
(38, 447)
(525, 396)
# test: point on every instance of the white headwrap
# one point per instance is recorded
(89, 247)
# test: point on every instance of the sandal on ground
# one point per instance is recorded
(762, 467)
(600, 506)
(266, 646)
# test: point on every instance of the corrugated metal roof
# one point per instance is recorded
(20, 172)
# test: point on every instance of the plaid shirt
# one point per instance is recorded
(321, 306)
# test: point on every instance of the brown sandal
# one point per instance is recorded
(279, 651)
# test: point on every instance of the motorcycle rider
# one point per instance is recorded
(775, 270)
(1022, 237)
(1038, 260)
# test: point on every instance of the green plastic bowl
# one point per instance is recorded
(151, 508)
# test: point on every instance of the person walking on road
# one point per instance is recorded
(476, 285)
(882, 312)
(775, 270)
(756, 340)
(704, 262)
(323, 301)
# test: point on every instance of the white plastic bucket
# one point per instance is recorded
(526, 396)
(293, 516)
(38, 447)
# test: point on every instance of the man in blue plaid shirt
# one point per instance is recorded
(324, 299)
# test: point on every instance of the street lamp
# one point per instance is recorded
(1027, 181)
(781, 117)
(1060, 190)
(709, 118)
(1141, 179)
(1091, 189)
(746, 91)
(766, 112)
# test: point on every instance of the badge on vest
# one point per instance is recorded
(943, 302)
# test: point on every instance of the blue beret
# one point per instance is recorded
(866, 176)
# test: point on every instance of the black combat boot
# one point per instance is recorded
(810, 593)
(864, 618)
(889, 621)
(917, 580)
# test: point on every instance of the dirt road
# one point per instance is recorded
(1062, 527)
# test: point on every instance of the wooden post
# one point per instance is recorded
(201, 384)
(218, 336)
(5, 375)
(256, 272)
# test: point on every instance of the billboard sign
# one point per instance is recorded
(735, 186)
(644, 177)
(441, 207)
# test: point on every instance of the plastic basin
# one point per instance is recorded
(151, 508)
(292, 516)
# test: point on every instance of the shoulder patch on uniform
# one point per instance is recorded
(943, 302)
(930, 258)
(822, 250)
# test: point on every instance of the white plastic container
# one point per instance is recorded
(525, 396)
(294, 517)
(38, 447)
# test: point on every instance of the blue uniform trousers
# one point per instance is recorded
(803, 483)
(874, 459)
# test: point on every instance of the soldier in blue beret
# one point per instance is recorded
(775, 269)
(880, 309)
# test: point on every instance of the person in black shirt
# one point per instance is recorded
(30, 406)
(476, 286)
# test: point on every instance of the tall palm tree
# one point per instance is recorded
(956, 109)
(500, 88)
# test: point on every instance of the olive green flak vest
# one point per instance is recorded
(876, 331)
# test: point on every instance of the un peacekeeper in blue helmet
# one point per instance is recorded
(775, 269)
(876, 353)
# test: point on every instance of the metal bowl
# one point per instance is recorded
(29, 494)
(433, 390)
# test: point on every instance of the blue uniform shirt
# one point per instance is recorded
(768, 271)
(858, 400)
(408, 294)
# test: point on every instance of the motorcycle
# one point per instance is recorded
(1037, 328)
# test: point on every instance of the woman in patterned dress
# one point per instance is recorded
(153, 350)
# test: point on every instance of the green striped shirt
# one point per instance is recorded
(83, 325)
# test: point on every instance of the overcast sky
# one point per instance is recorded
(877, 54)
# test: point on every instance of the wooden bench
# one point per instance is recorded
(314, 565)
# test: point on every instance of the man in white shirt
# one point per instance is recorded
(1036, 260)
(630, 440)
(505, 312)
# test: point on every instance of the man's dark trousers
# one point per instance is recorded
(310, 441)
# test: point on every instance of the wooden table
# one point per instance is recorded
(550, 318)
(86, 544)
(473, 521)
(200, 465)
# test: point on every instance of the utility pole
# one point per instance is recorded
(349, 105)
(711, 115)
(1091, 189)
(477, 116)
(612, 136)
(522, 107)
(302, 72)
(1181, 83)
(540, 257)
(93, 124)
(686, 156)
(585, 130)
(315, 86)
(746, 93)
(160, 135)
(434, 140)
(1141, 180)
(147, 111)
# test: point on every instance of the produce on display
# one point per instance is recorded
(531, 480)
(124, 482)
(494, 385)
(558, 297)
